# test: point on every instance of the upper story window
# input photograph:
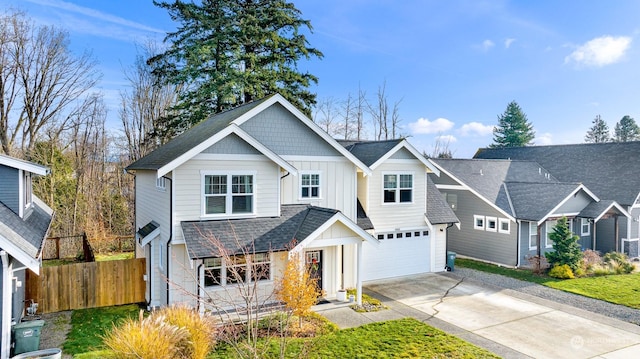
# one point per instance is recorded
(161, 184)
(27, 189)
(310, 185)
(398, 188)
(228, 194)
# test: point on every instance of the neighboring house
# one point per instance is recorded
(610, 170)
(258, 182)
(508, 208)
(393, 198)
(24, 224)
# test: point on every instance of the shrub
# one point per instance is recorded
(148, 338)
(590, 260)
(561, 272)
(618, 262)
(566, 249)
(202, 329)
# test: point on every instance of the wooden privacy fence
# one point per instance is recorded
(87, 285)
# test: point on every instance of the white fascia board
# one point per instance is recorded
(578, 188)
(616, 205)
(14, 251)
(465, 187)
(339, 217)
(304, 119)
(232, 128)
(414, 152)
(151, 236)
(24, 165)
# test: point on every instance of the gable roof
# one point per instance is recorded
(598, 210)
(438, 210)
(374, 153)
(296, 223)
(537, 201)
(610, 170)
(218, 126)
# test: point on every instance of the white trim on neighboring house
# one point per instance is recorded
(477, 218)
(232, 128)
(548, 228)
(501, 221)
(277, 98)
(616, 205)
(465, 187)
(24, 165)
(552, 213)
(414, 152)
(582, 225)
(491, 224)
(533, 231)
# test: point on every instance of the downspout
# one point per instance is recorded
(198, 293)
(518, 244)
(6, 305)
(170, 234)
(446, 245)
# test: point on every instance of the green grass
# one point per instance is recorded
(114, 256)
(623, 289)
(89, 325)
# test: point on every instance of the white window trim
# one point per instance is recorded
(398, 173)
(584, 221)
(223, 272)
(500, 222)
(475, 222)
(161, 184)
(533, 231)
(548, 243)
(495, 224)
(302, 173)
(227, 214)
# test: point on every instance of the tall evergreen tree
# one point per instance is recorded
(513, 130)
(229, 52)
(599, 132)
(626, 130)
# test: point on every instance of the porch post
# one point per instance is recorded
(616, 233)
(359, 274)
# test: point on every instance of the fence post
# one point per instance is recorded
(57, 247)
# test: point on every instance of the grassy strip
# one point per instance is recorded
(623, 289)
(89, 325)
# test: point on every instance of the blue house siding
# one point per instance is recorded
(9, 183)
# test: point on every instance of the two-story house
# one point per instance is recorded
(246, 187)
(24, 224)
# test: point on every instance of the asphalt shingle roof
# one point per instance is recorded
(206, 239)
(487, 177)
(364, 221)
(533, 201)
(191, 138)
(610, 170)
(596, 209)
(369, 151)
(438, 210)
(28, 233)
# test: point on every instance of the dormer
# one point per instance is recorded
(15, 183)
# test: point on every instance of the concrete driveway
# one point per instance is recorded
(510, 323)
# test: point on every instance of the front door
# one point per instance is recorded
(314, 264)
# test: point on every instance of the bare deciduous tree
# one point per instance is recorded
(41, 81)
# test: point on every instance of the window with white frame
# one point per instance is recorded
(491, 224)
(548, 243)
(533, 236)
(478, 222)
(228, 194)
(585, 227)
(27, 189)
(237, 269)
(310, 185)
(398, 188)
(504, 225)
(161, 184)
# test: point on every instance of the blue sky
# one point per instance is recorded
(453, 65)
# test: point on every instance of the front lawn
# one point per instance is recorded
(623, 289)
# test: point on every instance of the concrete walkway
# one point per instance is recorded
(508, 323)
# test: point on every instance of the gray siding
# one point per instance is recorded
(281, 132)
(485, 245)
(605, 230)
(9, 184)
(232, 144)
(1, 296)
(635, 224)
(444, 179)
(403, 154)
(575, 204)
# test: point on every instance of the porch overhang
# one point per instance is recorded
(603, 210)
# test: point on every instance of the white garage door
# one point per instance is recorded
(396, 257)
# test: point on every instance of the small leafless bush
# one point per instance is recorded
(538, 264)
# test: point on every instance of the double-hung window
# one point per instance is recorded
(585, 227)
(228, 194)
(398, 188)
(310, 185)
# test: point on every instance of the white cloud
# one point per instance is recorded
(476, 128)
(544, 139)
(487, 44)
(508, 42)
(424, 126)
(601, 51)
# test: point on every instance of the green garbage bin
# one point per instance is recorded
(26, 336)
(451, 258)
